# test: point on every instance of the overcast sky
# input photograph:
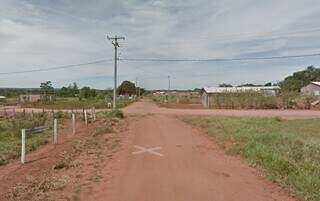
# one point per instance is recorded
(36, 34)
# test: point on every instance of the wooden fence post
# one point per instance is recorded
(23, 146)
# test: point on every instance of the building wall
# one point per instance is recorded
(311, 90)
(205, 99)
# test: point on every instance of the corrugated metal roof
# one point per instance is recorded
(316, 83)
(237, 89)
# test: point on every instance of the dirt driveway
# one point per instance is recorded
(164, 159)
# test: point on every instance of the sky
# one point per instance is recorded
(40, 34)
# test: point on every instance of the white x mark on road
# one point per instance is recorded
(147, 150)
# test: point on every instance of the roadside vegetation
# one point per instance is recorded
(287, 151)
(75, 103)
(239, 100)
(289, 96)
(10, 134)
(177, 99)
(72, 172)
(256, 100)
(69, 97)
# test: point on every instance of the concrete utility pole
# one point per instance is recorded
(116, 45)
(136, 87)
(169, 83)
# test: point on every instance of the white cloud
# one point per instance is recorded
(40, 34)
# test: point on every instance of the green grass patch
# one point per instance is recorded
(10, 134)
(75, 103)
(288, 151)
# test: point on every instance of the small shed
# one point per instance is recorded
(209, 91)
(312, 89)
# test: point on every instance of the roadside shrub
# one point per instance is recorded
(111, 114)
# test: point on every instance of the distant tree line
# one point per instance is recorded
(249, 85)
(70, 91)
(47, 89)
(15, 92)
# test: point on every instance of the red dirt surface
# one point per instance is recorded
(39, 161)
(146, 107)
(190, 166)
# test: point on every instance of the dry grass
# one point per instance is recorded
(49, 185)
(288, 151)
(37, 188)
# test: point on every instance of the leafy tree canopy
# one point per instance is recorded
(300, 79)
(71, 91)
(46, 87)
(87, 92)
(127, 88)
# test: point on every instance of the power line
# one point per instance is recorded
(240, 36)
(161, 60)
(56, 67)
(217, 59)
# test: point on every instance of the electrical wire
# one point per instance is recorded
(161, 60)
(217, 59)
(57, 67)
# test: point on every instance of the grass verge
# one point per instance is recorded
(95, 146)
(10, 134)
(75, 103)
(288, 151)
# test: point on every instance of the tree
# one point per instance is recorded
(269, 84)
(46, 89)
(300, 79)
(197, 90)
(225, 85)
(87, 92)
(249, 85)
(75, 89)
(64, 92)
(71, 91)
(127, 88)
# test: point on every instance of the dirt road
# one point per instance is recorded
(164, 159)
(146, 107)
(160, 158)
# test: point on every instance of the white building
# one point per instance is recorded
(209, 91)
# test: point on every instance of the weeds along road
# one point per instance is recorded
(147, 107)
(153, 156)
(164, 159)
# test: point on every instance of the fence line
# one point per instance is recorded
(25, 132)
